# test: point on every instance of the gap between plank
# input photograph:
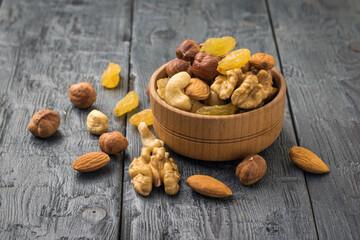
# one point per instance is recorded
(132, 9)
(290, 108)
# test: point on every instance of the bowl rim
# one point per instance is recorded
(274, 71)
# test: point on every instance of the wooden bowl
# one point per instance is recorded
(217, 138)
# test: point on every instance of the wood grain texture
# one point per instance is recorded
(322, 73)
(277, 207)
(45, 47)
(217, 138)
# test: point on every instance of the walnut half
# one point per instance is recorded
(250, 94)
(225, 85)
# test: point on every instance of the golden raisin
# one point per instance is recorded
(235, 59)
(128, 103)
(227, 109)
(110, 77)
(143, 116)
(218, 46)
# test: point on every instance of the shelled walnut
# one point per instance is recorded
(225, 85)
(154, 166)
(250, 94)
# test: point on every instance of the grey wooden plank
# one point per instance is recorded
(278, 207)
(323, 83)
(45, 47)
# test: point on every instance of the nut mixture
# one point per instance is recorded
(218, 77)
(204, 79)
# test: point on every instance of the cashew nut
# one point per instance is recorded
(174, 91)
(161, 84)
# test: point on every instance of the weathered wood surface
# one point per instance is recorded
(278, 206)
(45, 47)
(323, 74)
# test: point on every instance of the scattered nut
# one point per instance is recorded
(307, 160)
(91, 162)
(174, 91)
(187, 50)
(97, 122)
(197, 90)
(251, 169)
(205, 65)
(82, 95)
(208, 186)
(44, 123)
(178, 65)
(113, 142)
(154, 166)
(262, 61)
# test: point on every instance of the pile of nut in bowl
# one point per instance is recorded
(213, 79)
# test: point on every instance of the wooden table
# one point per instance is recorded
(46, 46)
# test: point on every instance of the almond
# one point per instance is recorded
(307, 160)
(197, 90)
(91, 162)
(262, 61)
(208, 186)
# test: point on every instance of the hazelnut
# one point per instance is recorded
(97, 122)
(178, 65)
(251, 169)
(187, 50)
(82, 95)
(44, 123)
(205, 66)
(113, 142)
